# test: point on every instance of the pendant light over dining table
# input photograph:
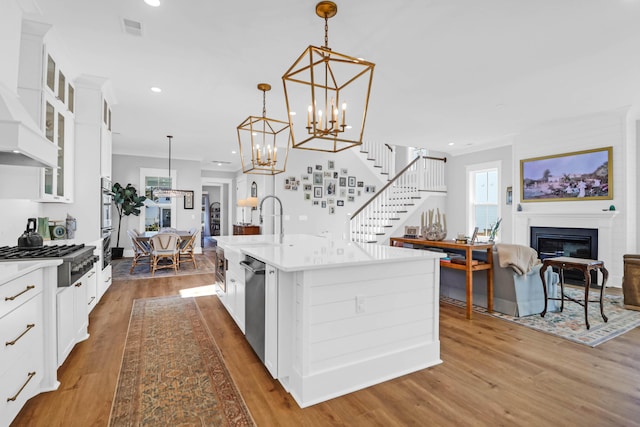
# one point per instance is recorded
(264, 142)
(327, 94)
(169, 191)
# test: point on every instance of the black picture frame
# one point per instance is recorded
(317, 192)
(351, 181)
(188, 200)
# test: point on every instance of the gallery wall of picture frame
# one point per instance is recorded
(329, 187)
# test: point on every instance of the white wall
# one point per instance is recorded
(14, 219)
(126, 169)
(456, 205)
(614, 128)
(10, 24)
(300, 215)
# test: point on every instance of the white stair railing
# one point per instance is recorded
(380, 215)
(381, 155)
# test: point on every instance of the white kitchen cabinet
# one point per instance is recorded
(271, 320)
(57, 184)
(73, 315)
(45, 90)
(105, 280)
(27, 359)
(233, 299)
(92, 287)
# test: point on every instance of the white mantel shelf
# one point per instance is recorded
(581, 215)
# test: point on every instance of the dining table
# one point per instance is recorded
(147, 235)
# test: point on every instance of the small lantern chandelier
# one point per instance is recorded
(161, 191)
(265, 141)
(332, 80)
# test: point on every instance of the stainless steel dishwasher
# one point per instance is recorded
(254, 303)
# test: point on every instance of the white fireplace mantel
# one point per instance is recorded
(603, 221)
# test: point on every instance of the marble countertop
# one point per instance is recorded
(299, 252)
(11, 270)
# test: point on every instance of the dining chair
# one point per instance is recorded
(164, 246)
(141, 251)
(187, 249)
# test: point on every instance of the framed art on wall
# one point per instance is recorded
(188, 200)
(580, 175)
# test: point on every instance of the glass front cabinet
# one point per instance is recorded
(59, 104)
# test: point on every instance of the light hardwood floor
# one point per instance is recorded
(494, 373)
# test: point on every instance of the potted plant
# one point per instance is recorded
(127, 203)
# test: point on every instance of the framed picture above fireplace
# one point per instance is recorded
(581, 175)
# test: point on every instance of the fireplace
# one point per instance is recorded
(570, 242)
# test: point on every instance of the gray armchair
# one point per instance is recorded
(513, 294)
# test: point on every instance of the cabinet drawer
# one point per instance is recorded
(19, 291)
(20, 383)
(21, 332)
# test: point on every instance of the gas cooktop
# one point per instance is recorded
(76, 259)
(43, 252)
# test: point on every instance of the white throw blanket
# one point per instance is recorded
(520, 258)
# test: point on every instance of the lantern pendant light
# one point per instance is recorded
(264, 142)
(327, 95)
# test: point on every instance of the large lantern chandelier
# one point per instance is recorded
(264, 143)
(327, 94)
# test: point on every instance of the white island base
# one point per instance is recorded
(348, 317)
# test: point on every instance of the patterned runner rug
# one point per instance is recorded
(172, 372)
(122, 266)
(570, 323)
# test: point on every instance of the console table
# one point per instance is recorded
(468, 266)
(584, 265)
(243, 230)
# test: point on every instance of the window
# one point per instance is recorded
(483, 196)
(158, 212)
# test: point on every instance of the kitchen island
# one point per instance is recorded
(339, 316)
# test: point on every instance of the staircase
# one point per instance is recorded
(379, 218)
(379, 158)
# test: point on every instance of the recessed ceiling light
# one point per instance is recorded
(233, 152)
(154, 3)
(156, 89)
(452, 143)
(292, 113)
(219, 164)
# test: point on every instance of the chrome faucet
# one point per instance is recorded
(281, 215)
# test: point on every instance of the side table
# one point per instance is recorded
(585, 265)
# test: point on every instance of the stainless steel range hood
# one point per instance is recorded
(22, 143)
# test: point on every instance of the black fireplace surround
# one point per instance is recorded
(552, 242)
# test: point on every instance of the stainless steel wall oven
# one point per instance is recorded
(105, 220)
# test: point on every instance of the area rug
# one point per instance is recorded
(120, 269)
(570, 323)
(172, 372)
